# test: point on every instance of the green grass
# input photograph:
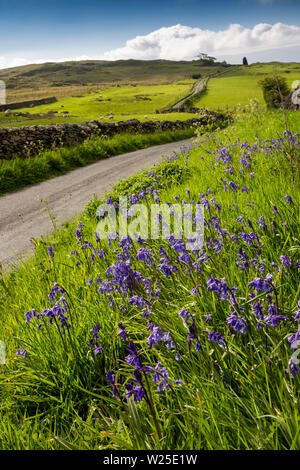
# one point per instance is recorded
(27, 81)
(19, 173)
(240, 85)
(239, 397)
(116, 104)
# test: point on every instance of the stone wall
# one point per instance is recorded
(27, 104)
(25, 142)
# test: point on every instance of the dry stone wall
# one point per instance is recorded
(27, 104)
(25, 142)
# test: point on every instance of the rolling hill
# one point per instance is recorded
(31, 81)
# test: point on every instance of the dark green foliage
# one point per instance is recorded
(275, 89)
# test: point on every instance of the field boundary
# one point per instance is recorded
(25, 142)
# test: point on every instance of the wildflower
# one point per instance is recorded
(293, 369)
(50, 251)
(138, 301)
(79, 232)
(133, 199)
(132, 357)
(244, 189)
(55, 289)
(262, 223)
(231, 185)
(258, 310)
(146, 256)
(285, 261)
(242, 260)
(29, 315)
(167, 267)
(216, 338)
(184, 314)
(196, 290)
(122, 332)
(160, 377)
(155, 336)
(220, 287)
(288, 199)
(237, 323)
(261, 284)
(297, 312)
(138, 392)
(207, 318)
(22, 352)
(93, 343)
(192, 332)
(111, 379)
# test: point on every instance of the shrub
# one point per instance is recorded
(275, 89)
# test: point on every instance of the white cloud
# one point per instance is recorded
(184, 43)
(6, 62)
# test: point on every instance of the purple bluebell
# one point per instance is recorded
(122, 332)
(288, 199)
(237, 323)
(285, 261)
(22, 352)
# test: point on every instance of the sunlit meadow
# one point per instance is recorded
(142, 344)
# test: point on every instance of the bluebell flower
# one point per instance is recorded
(238, 324)
(122, 332)
(285, 261)
(288, 199)
(22, 352)
(216, 338)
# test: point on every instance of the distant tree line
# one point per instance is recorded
(205, 59)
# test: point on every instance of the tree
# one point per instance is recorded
(275, 89)
(206, 58)
(245, 61)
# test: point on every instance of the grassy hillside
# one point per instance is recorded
(241, 84)
(27, 81)
(146, 345)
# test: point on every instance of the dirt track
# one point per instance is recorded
(22, 215)
(197, 89)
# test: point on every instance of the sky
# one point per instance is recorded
(36, 31)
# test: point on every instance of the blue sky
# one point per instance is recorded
(36, 31)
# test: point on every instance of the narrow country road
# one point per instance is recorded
(22, 215)
(197, 89)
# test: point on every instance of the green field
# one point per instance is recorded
(147, 345)
(40, 80)
(108, 104)
(239, 86)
